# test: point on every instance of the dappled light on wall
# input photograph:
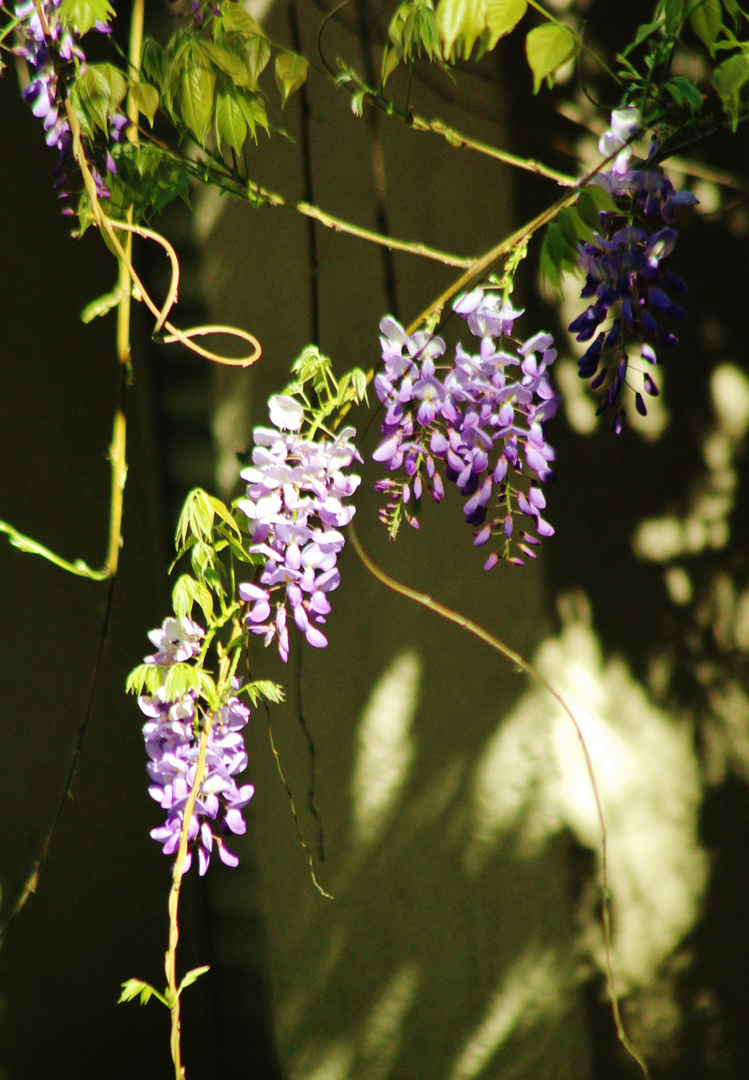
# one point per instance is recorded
(529, 995)
(531, 782)
(384, 747)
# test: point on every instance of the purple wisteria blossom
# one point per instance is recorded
(624, 275)
(295, 505)
(172, 733)
(479, 420)
(48, 55)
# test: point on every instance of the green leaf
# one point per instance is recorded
(146, 98)
(729, 78)
(231, 125)
(685, 93)
(547, 48)
(101, 89)
(191, 976)
(136, 987)
(291, 72)
(706, 22)
(225, 514)
(196, 89)
(83, 14)
(587, 208)
(152, 61)
(263, 688)
(390, 60)
(257, 55)
(187, 592)
(200, 513)
(234, 18)
(253, 111)
(452, 17)
(180, 679)
(674, 12)
(502, 16)
(229, 57)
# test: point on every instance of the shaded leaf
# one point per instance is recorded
(706, 22)
(729, 78)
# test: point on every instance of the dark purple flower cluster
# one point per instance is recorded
(482, 423)
(47, 55)
(295, 506)
(172, 734)
(624, 275)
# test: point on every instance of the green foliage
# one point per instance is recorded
(263, 688)
(706, 21)
(313, 367)
(571, 226)
(462, 23)
(187, 591)
(191, 976)
(413, 31)
(82, 15)
(291, 72)
(729, 79)
(96, 95)
(146, 98)
(147, 178)
(134, 988)
(547, 47)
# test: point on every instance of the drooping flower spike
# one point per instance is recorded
(296, 503)
(478, 422)
(630, 289)
(172, 734)
(49, 51)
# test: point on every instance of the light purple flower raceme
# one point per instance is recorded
(172, 733)
(624, 275)
(47, 56)
(479, 420)
(295, 506)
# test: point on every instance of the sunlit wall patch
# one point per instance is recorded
(384, 746)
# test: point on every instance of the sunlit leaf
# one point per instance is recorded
(191, 976)
(84, 14)
(502, 16)
(291, 72)
(231, 125)
(452, 17)
(547, 48)
(137, 988)
(196, 88)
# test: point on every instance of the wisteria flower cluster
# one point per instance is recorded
(481, 417)
(624, 275)
(295, 505)
(48, 51)
(172, 735)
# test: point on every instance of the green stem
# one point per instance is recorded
(455, 138)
